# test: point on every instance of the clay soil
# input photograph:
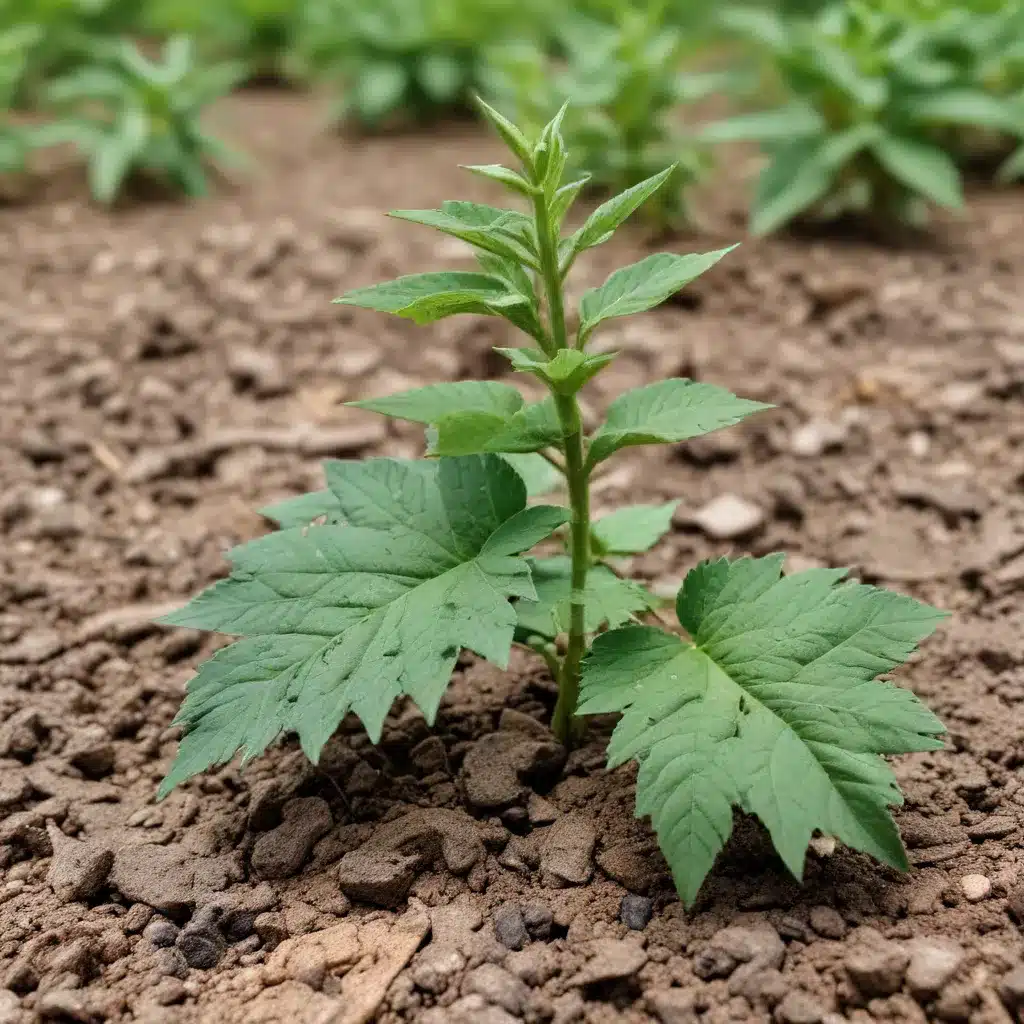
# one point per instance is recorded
(169, 369)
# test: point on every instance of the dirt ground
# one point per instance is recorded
(169, 369)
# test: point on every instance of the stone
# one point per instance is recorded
(499, 768)
(162, 877)
(201, 949)
(609, 960)
(171, 963)
(759, 943)
(498, 987)
(799, 1008)
(567, 851)
(161, 932)
(435, 968)
(76, 957)
(382, 870)
(933, 964)
(728, 517)
(78, 869)
(509, 926)
(817, 436)
(540, 811)
(91, 752)
(827, 922)
(281, 852)
(766, 986)
(878, 969)
(636, 912)
(627, 866)
(712, 963)
(975, 887)
(538, 920)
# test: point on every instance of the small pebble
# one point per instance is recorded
(728, 516)
(636, 911)
(975, 887)
(509, 927)
(161, 932)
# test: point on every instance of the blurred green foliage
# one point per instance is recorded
(865, 106)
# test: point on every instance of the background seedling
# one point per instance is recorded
(371, 588)
(129, 114)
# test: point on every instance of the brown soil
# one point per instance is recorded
(169, 369)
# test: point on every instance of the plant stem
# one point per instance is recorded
(566, 727)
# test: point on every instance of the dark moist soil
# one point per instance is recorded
(168, 369)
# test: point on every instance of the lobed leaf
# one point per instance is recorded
(343, 618)
(774, 707)
(667, 411)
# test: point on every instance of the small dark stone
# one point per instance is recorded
(238, 925)
(161, 932)
(200, 949)
(636, 911)
(538, 920)
(509, 927)
(172, 963)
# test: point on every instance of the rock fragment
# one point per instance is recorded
(799, 1008)
(435, 969)
(827, 922)
(281, 852)
(499, 768)
(609, 960)
(933, 964)
(728, 517)
(567, 851)
(509, 927)
(635, 912)
(498, 987)
(78, 869)
(975, 887)
(877, 969)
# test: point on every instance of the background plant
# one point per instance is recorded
(411, 59)
(129, 114)
(623, 75)
(372, 587)
(869, 93)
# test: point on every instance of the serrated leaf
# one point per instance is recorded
(600, 225)
(632, 529)
(435, 401)
(424, 298)
(642, 286)
(666, 412)
(774, 707)
(610, 601)
(534, 427)
(921, 167)
(567, 371)
(304, 509)
(347, 618)
(503, 232)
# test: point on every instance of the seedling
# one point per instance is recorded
(128, 114)
(770, 704)
(873, 94)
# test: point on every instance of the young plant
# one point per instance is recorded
(872, 94)
(625, 83)
(413, 60)
(372, 587)
(128, 114)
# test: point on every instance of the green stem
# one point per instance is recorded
(566, 727)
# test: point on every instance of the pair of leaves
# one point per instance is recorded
(774, 708)
(340, 618)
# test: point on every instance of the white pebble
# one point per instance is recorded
(975, 887)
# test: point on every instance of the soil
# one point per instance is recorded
(169, 369)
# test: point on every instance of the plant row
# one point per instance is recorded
(870, 107)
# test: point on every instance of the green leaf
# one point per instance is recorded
(435, 401)
(610, 601)
(505, 233)
(510, 134)
(379, 89)
(532, 428)
(535, 471)
(441, 77)
(424, 298)
(601, 224)
(563, 199)
(304, 509)
(780, 125)
(773, 708)
(642, 286)
(666, 412)
(567, 371)
(348, 618)
(632, 529)
(503, 176)
(1012, 168)
(970, 107)
(921, 167)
